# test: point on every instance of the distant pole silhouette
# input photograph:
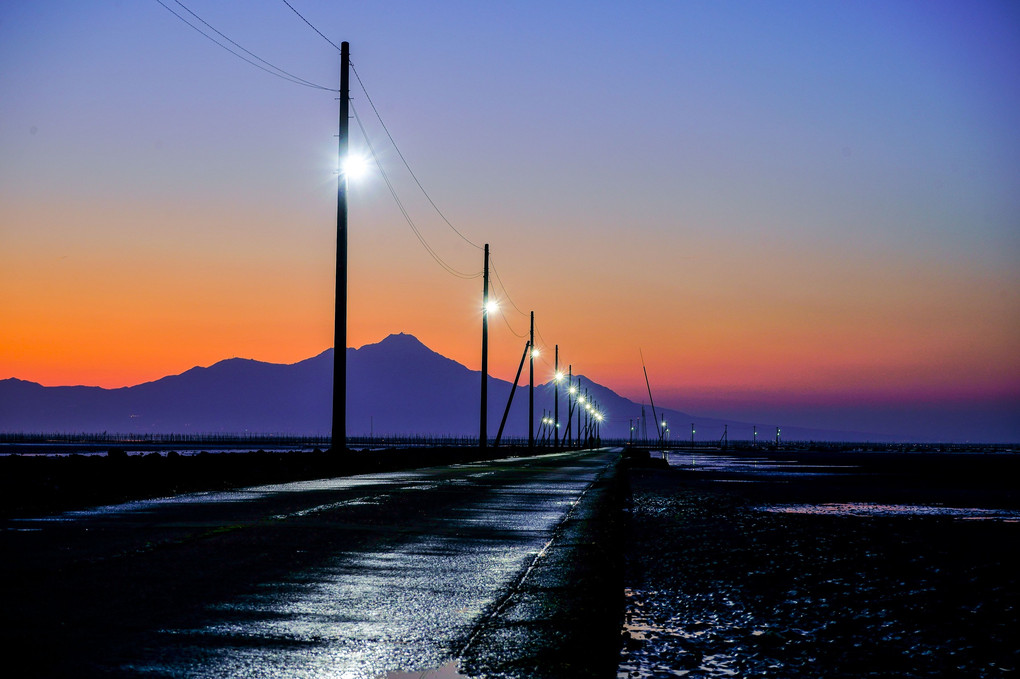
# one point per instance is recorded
(340, 314)
(556, 399)
(482, 431)
(531, 388)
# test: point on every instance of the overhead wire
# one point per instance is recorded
(274, 70)
(510, 327)
(492, 264)
(403, 159)
(335, 46)
(407, 165)
(403, 210)
(277, 71)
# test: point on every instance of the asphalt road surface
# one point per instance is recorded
(352, 577)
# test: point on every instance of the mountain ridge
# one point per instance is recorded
(397, 386)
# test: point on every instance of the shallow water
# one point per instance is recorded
(758, 466)
(864, 509)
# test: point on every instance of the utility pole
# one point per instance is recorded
(587, 418)
(568, 434)
(340, 313)
(579, 409)
(482, 432)
(556, 399)
(531, 388)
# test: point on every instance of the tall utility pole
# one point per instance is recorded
(340, 314)
(556, 398)
(482, 432)
(579, 409)
(531, 389)
(568, 437)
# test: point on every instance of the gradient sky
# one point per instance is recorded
(805, 213)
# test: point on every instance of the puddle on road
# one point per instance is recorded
(864, 509)
(450, 670)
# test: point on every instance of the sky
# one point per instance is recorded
(798, 213)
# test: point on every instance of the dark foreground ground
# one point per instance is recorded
(39, 484)
(718, 586)
(512, 567)
(715, 583)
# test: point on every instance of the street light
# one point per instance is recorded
(355, 166)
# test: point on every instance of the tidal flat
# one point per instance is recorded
(821, 565)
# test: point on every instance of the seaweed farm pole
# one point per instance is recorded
(482, 432)
(340, 314)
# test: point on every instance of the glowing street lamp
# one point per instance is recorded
(354, 166)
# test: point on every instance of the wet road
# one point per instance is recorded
(350, 577)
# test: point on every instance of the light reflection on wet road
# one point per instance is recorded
(349, 577)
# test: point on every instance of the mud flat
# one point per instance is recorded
(824, 566)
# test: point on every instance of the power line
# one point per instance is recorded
(406, 164)
(407, 217)
(335, 46)
(507, 321)
(503, 287)
(278, 72)
(387, 130)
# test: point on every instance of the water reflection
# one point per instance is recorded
(864, 509)
(759, 466)
(450, 670)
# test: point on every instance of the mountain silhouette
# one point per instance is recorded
(395, 387)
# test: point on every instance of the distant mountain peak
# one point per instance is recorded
(402, 339)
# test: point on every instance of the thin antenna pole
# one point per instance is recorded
(658, 425)
(339, 431)
(483, 434)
